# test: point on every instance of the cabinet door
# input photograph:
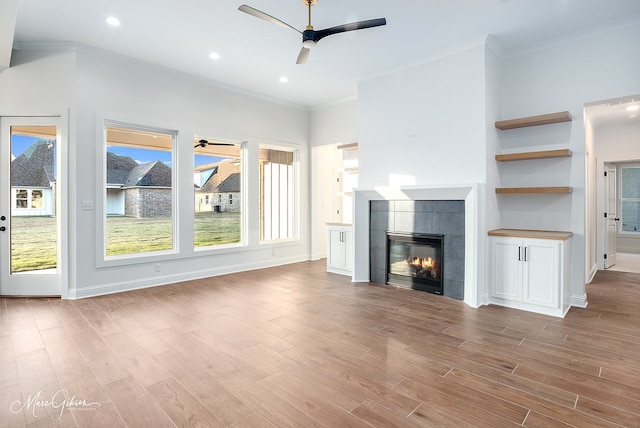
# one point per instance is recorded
(336, 254)
(542, 273)
(506, 269)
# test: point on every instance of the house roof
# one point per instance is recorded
(35, 166)
(152, 174)
(225, 178)
(118, 168)
(126, 172)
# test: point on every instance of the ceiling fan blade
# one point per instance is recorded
(205, 143)
(259, 14)
(303, 55)
(360, 25)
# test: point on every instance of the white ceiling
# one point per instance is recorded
(255, 54)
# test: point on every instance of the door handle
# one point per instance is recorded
(2, 228)
(3, 218)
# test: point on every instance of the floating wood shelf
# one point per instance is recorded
(348, 146)
(547, 154)
(544, 119)
(527, 233)
(522, 190)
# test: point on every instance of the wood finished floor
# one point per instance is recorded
(294, 346)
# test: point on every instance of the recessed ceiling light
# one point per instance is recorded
(634, 107)
(113, 21)
(284, 79)
(214, 56)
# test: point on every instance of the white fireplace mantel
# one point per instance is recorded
(475, 241)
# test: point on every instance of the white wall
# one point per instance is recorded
(591, 216)
(565, 76)
(425, 124)
(334, 124)
(95, 85)
(330, 126)
(38, 83)
(323, 196)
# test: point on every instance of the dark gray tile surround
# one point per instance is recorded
(441, 217)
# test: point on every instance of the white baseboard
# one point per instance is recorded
(579, 301)
(318, 256)
(101, 290)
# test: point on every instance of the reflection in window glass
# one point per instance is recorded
(217, 178)
(277, 212)
(36, 199)
(138, 190)
(34, 226)
(21, 198)
(630, 198)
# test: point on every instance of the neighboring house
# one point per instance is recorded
(137, 190)
(218, 187)
(33, 181)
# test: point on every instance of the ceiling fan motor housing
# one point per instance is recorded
(309, 35)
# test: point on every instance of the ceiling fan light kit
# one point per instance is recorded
(311, 37)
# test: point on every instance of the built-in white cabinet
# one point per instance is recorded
(339, 248)
(529, 270)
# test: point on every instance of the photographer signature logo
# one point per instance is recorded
(60, 401)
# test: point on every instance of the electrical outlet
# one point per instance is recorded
(157, 267)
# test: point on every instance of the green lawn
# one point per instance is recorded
(33, 243)
(33, 238)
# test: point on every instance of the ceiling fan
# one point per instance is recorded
(311, 37)
(205, 143)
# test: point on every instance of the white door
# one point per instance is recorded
(541, 272)
(506, 266)
(336, 250)
(611, 220)
(30, 208)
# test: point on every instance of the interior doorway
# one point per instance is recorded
(612, 135)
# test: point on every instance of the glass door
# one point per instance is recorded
(30, 206)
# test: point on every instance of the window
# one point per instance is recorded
(139, 190)
(27, 198)
(630, 198)
(36, 199)
(218, 178)
(277, 190)
(22, 198)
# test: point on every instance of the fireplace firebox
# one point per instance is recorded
(415, 260)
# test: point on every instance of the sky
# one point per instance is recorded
(19, 143)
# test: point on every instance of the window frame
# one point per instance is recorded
(294, 194)
(217, 199)
(620, 199)
(102, 259)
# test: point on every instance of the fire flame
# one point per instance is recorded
(422, 262)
